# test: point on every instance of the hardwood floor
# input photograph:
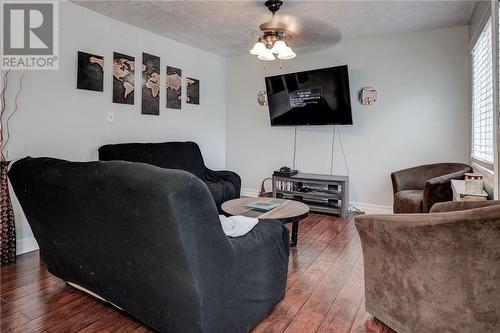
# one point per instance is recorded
(325, 291)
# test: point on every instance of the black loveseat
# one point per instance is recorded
(149, 241)
(224, 185)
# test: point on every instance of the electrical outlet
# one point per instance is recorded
(110, 118)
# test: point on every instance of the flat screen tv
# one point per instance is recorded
(315, 97)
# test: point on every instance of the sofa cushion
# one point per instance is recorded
(169, 155)
(408, 201)
(177, 155)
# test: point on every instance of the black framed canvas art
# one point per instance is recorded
(150, 84)
(174, 90)
(192, 91)
(90, 72)
(123, 78)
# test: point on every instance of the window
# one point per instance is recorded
(482, 98)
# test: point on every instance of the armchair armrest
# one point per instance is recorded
(226, 175)
(418, 262)
(438, 189)
(407, 179)
(453, 206)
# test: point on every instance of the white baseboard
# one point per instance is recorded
(247, 192)
(372, 208)
(26, 245)
(365, 207)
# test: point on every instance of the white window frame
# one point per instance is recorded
(486, 99)
(495, 30)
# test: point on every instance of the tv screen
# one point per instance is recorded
(316, 97)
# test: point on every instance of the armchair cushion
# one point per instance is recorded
(408, 201)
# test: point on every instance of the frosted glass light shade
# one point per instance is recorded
(258, 48)
(279, 47)
(267, 55)
(286, 54)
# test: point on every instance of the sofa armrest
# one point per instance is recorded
(261, 262)
(438, 189)
(453, 206)
(226, 175)
(266, 236)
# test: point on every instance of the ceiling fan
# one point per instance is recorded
(273, 36)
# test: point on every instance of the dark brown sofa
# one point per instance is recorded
(417, 189)
(437, 272)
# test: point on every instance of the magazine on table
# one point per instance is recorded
(264, 205)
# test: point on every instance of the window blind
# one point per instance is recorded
(482, 97)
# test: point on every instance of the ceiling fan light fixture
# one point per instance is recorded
(266, 55)
(279, 46)
(273, 36)
(258, 48)
(286, 54)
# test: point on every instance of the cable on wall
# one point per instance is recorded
(343, 153)
(335, 129)
(294, 147)
(333, 150)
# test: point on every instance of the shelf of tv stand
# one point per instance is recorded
(338, 199)
(313, 194)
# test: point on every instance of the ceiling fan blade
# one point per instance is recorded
(307, 31)
(274, 25)
(302, 31)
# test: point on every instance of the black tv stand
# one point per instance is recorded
(322, 193)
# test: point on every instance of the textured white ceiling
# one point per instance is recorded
(229, 27)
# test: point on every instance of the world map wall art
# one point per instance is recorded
(123, 78)
(174, 84)
(90, 72)
(192, 91)
(150, 84)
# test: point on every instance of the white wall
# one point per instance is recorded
(58, 120)
(421, 115)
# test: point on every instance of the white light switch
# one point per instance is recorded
(110, 118)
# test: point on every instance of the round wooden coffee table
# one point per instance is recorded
(288, 211)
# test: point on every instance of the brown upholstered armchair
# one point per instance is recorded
(417, 189)
(437, 272)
